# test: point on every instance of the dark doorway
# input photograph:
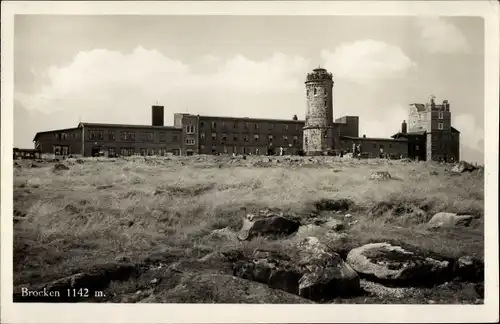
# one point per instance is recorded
(95, 150)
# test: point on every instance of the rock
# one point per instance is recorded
(266, 224)
(333, 204)
(347, 216)
(220, 288)
(334, 224)
(449, 220)
(308, 269)
(469, 268)
(310, 230)
(60, 167)
(395, 266)
(380, 175)
(463, 166)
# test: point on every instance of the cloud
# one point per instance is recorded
(365, 61)
(471, 135)
(441, 36)
(100, 79)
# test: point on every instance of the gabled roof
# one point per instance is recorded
(54, 131)
(85, 124)
(454, 130)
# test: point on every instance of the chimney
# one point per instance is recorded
(295, 117)
(157, 115)
(364, 135)
(403, 127)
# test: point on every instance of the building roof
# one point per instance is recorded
(373, 139)
(399, 134)
(85, 124)
(420, 107)
(454, 130)
(253, 119)
(54, 131)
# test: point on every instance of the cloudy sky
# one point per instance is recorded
(113, 68)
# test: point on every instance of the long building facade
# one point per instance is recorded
(429, 137)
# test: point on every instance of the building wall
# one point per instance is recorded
(47, 142)
(190, 134)
(372, 146)
(348, 125)
(163, 140)
(226, 135)
(455, 146)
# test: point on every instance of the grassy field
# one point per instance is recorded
(99, 210)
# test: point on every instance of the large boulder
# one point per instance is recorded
(469, 268)
(267, 223)
(449, 220)
(308, 269)
(396, 266)
(221, 288)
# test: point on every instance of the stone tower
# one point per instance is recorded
(318, 128)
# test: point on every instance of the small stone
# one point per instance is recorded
(138, 292)
(348, 216)
(155, 280)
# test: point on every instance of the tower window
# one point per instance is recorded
(326, 103)
(326, 91)
(314, 91)
(440, 115)
(440, 126)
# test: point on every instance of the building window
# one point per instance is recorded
(245, 125)
(326, 103)
(111, 151)
(285, 139)
(127, 151)
(189, 141)
(163, 137)
(326, 91)
(235, 125)
(223, 136)
(417, 147)
(308, 92)
(202, 124)
(270, 137)
(190, 128)
(245, 137)
(214, 125)
(57, 150)
(381, 146)
(295, 140)
(223, 123)
(214, 136)
(271, 126)
(256, 137)
(235, 137)
(314, 91)
(127, 136)
(440, 126)
(440, 115)
(202, 136)
(214, 149)
(225, 149)
(144, 151)
(95, 135)
(256, 126)
(285, 128)
(111, 136)
(147, 136)
(64, 136)
(175, 138)
(305, 140)
(64, 150)
(176, 152)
